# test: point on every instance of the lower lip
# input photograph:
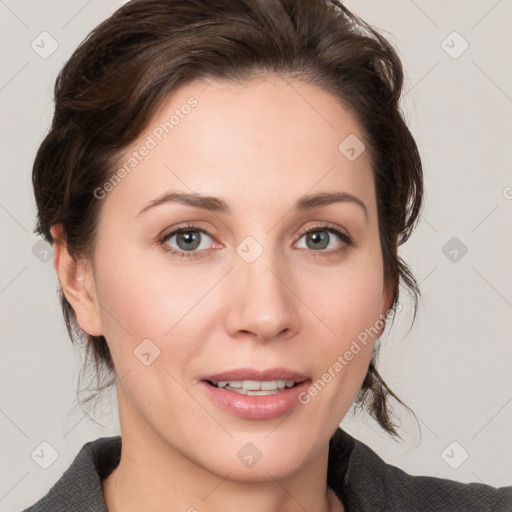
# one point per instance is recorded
(256, 407)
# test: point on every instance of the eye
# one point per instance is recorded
(188, 239)
(324, 239)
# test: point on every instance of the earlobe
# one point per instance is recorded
(77, 282)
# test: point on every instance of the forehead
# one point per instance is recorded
(252, 141)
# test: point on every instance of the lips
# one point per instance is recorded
(255, 394)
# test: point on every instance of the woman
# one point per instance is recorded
(226, 186)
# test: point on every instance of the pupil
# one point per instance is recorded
(320, 239)
(190, 239)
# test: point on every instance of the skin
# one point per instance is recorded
(258, 145)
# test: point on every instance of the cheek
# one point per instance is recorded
(351, 305)
(360, 301)
(350, 298)
(145, 297)
(139, 301)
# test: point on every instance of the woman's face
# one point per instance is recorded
(240, 245)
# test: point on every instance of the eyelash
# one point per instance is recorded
(164, 238)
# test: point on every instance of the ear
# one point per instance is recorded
(77, 282)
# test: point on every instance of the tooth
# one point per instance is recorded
(281, 383)
(251, 385)
(235, 383)
(222, 383)
(289, 383)
(268, 385)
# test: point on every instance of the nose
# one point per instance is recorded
(262, 302)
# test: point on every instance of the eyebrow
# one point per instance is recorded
(215, 204)
(325, 198)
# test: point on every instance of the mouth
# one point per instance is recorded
(256, 394)
(255, 387)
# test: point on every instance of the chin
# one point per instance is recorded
(266, 469)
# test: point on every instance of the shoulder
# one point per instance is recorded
(369, 483)
(79, 488)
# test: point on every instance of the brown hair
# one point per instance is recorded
(119, 76)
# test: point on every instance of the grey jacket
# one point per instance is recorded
(360, 478)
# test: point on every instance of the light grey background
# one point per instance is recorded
(453, 368)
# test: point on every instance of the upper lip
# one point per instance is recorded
(255, 374)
